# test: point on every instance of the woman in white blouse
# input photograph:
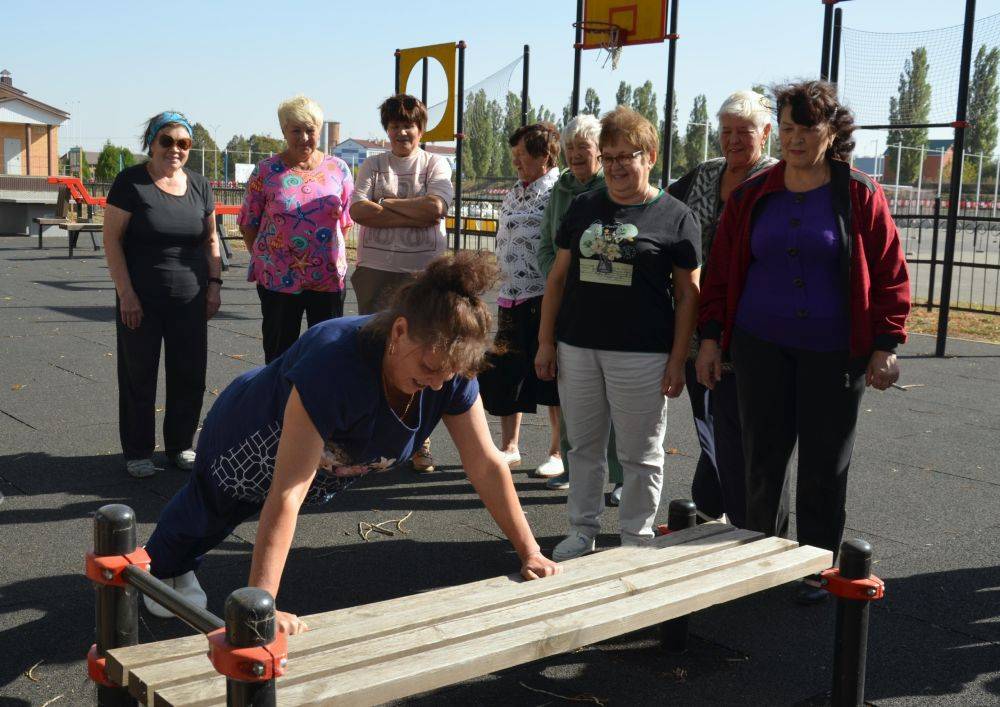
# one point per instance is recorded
(510, 388)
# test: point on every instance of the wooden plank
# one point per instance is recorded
(449, 601)
(372, 654)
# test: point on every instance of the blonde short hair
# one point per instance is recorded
(301, 110)
(585, 126)
(625, 124)
(748, 105)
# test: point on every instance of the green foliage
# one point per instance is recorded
(85, 172)
(678, 162)
(984, 95)
(623, 96)
(111, 161)
(591, 103)
(481, 135)
(237, 150)
(695, 136)
(912, 105)
(262, 146)
(204, 157)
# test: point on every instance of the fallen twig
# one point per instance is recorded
(907, 387)
(578, 698)
(365, 528)
(31, 669)
(57, 697)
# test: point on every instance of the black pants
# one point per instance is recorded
(788, 395)
(719, 484)
(282, 316)
(183, 330)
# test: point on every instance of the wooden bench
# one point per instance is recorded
(391, 649)
(60, 217)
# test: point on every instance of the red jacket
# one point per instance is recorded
(871, 259)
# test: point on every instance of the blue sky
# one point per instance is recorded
(228, 64)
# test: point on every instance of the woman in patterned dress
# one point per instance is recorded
(292, 220)
(510, 387)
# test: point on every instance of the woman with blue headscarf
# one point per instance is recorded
(163, 256)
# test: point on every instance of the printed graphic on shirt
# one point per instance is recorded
(338, 462)
(602, 246)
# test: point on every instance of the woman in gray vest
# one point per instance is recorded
(719, 486)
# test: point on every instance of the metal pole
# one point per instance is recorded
(835, 49)
(851, 646)
(423, 89)
(941, 172)
(250, 623)
(199, 619)
(117, 608)
(459, 141)
(824, 64)
(524, 85)
(920, 173)
(705, 142)
(956, 178)
(934, 250)
(979, 183)
(577, 52)
(396, 89)
(899, 163)
(996, 183)
(681, 514)
(668, 106)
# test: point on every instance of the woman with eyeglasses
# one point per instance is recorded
(617, 317)
(719, 485)
(293, 220)
(163, 256)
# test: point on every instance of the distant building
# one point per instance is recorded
(936, 152)
(29, 130)
(69, 162)
(354, 151)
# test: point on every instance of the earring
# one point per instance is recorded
(392, 349)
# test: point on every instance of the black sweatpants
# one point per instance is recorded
(183, 330)
(812, 397)
(282, 315)
(719, 484)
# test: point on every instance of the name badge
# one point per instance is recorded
(603, 272)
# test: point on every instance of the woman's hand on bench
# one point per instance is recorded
(536, 565)
(289, 623)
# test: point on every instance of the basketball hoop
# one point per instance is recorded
(606, 36)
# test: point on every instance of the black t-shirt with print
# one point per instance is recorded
(618, 293)
(164, 241)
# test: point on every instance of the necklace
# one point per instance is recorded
(406, 410)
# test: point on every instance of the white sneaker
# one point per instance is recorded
(573, 545)
(184, 460)
(188, 587)
(615, 497)
(552, 466)
(512, 458)
(140, 468)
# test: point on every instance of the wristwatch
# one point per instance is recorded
(216, 280)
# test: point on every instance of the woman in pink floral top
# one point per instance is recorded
(292, 220)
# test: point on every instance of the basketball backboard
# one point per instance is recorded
(640, 22)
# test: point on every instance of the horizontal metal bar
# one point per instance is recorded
(199, 619)
(909, 125)
(944, 217)
(973, 266)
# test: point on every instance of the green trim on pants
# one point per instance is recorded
(614, 466)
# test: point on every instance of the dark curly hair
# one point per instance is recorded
(540, 140)
(403, 108)
(815, 102)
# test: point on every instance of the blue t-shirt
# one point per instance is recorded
(337, 371)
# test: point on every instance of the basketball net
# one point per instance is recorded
(613, 46)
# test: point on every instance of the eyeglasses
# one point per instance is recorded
(624, 160)
(166, 142)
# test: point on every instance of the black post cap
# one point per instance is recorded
(114, 530)
(249, 617)
(682, 513)
(855, 559)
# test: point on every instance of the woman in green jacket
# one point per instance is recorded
(579, 143)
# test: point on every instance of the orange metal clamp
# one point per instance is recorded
(256, 664)
(97, 668)
(108, 569)
(867, 589)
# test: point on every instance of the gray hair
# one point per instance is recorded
(583, 125)
(748, 105)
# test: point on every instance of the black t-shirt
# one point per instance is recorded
(164, 241)
(618, 290)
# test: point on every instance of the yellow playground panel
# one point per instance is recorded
(635, 22)
(445, 55)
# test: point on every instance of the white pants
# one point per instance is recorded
(598, 388)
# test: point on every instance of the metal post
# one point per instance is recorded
(956, 178)
(934, 250)
(824, 64)
(705, 142)
(117, 608)
(459, 141)
(851, 645)
(979, 184)
(899, 163)
(681, 514)
(577, 52)
(941, 172)
(668, 106)
(396, 89)
(250, 623)
(524, 85)
(423, 89)
(835, 48)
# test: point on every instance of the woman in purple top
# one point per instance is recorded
(293, 218)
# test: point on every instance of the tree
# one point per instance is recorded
(480, 139)
(984, 95)
(237, 151)
(644, 103)
(912, 105)
(262, 146)
(695, 136)
(678, 163)
(568, 111)
(111, 161)
(204, 157)
(773, 142)
(85, 173)
(592, 103)
(623, 96)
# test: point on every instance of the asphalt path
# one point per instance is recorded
(924, 490)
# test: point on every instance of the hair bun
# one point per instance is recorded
(467, 273)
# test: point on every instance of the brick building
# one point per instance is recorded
(29, 132)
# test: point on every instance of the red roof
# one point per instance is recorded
(384, 145)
